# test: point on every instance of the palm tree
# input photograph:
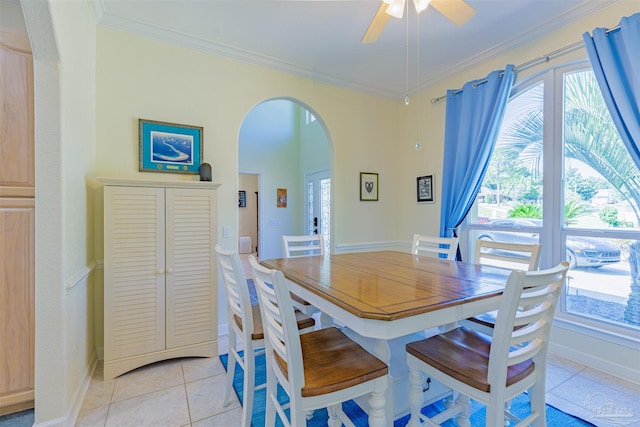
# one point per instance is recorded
(589, 136)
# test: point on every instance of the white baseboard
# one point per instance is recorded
(74, 410)
(58, 422)
(607, 366)
(223, 329)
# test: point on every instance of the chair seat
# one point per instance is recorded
(488, 320)
(464, 355)
(303, 320)
(300, 301)
(333, 362)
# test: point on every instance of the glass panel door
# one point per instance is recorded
(318, 212)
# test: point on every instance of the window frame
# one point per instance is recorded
(553, 243)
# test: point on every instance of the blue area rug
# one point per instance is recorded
(520, 405)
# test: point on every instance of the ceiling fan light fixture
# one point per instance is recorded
(395, 8)
(421, 4)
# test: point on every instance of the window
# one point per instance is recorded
(309, 117)
(560, 175)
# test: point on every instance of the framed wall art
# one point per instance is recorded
(169, 147)
(368, 187)
(242, 199)
(424, 189)
(282, 198)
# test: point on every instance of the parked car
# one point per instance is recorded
(581, 251)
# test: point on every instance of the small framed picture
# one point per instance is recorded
(368, 187)
(169, 147)
(242, 199)
(282, 198)
(424, 188)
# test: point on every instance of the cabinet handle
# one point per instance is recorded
(169, 270)
(160, 271)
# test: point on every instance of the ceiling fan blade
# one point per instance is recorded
(377, 25)
(457, 11)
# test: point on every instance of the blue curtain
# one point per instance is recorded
(473, 120)
(615, 58)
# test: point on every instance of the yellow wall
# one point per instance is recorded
(142, 78)
(139, 78)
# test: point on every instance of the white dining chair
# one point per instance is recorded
(300, 246)
(508, 255)
(318, 369)
(245, 322)
(493, 370)
(297, 246)
(439, 247)
(515, 256)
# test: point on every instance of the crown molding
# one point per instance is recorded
(545, 28)
(154, 32)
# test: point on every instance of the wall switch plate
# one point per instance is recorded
(226, 231)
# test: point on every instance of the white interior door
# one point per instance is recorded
(318, 203)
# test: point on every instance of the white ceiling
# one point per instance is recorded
(321, 39)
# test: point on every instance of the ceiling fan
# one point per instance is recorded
(457, 11)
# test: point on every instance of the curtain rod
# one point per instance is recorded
(544, 58)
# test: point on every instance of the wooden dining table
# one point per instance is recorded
(386, 295)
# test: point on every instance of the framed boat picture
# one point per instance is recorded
(169, 147)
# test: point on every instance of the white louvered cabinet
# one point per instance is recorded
(160, 293)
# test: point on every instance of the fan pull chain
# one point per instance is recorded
(418, 146)
(406, 98)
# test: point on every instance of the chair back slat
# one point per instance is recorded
(509, 255)
(440, 247)
(529, 301)
(529, 316)
(237, 290)
(526, 352)
(527, 334)
(298, 246)
(279, 322)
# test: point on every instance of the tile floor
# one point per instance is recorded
(188, 392)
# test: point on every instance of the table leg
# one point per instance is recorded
(382, 351)
(325, 320)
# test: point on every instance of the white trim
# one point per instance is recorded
(223, 330)
(606, 366)
(80, 276)
(132, 182)
(74, 410)
(145, 29)
(597, 329)
(81, 393)
(57, 422)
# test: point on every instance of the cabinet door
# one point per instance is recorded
(134, 296)
(17, 177)
(191, 292)
(16, 300)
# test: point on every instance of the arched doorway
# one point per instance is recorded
(285, 144)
